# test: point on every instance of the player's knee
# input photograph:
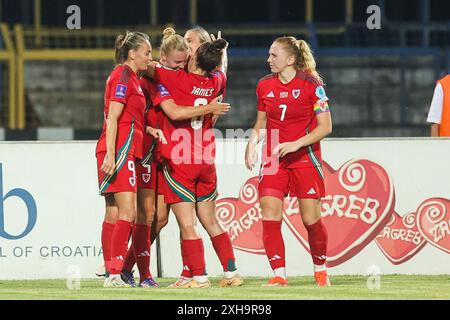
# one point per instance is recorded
(144, 220)
(111, 216)
(270, 213)
(213, 227)
(127, 214)
(187, 227)
(146, 207)
(145, 213)
(189, 231)
(162, 222)
(310, 218)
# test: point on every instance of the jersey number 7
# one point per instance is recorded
(283, 113)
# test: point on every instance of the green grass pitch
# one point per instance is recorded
(343, 287)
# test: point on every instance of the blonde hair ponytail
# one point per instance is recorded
(307, 62)
(304, 58)
(172, 41)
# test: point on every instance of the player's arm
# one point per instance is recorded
(176, 112)
(258, 133)
(156, 133)
(434, 129)
(323, 129)
(224, 62)
(222, 67)
(114, 112)
(215, 117)
(435, 113)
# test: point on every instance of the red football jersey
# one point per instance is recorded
(291, 110)
(154, 116)
(189, 141)
(123, 86)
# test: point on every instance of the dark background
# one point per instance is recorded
(137, 12)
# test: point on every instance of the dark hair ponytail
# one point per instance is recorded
(209, 55)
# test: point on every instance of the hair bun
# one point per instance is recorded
(168, 32)
(219, 44)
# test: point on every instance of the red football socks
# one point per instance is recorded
(274, 244)
(186, 273)
(107, 231)
(129, 260)
(224, 250)
(194, 253)
(119, 245)
(141, 246)
(318, 239)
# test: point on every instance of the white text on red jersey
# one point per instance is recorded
(202, 92)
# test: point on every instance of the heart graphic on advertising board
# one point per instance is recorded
(242, 218)
(400, 239)
(359, 202)
(433, 222)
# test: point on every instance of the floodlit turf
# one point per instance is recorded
(344, 287)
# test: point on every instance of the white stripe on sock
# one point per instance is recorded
(318, 268)
(280, 272)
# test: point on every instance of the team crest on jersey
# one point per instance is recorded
(121, 91)
(284, 94)
(146, 177)
(132, 181)
(296, 93)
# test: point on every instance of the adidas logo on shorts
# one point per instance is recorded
(311, 191)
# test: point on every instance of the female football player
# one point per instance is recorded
(149, 170)
(293, 108)
(189, 162)
(118, 147)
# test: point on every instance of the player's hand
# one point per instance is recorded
(251, 156)
(219, 107)
(109, 164)
(286, 148)
(219, 36)
(157, 134)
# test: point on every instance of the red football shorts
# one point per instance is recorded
(161, 184)
(147, 175)
(190, 182)
(122, 180)
(297, 182)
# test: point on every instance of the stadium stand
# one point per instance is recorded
(380, 82)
